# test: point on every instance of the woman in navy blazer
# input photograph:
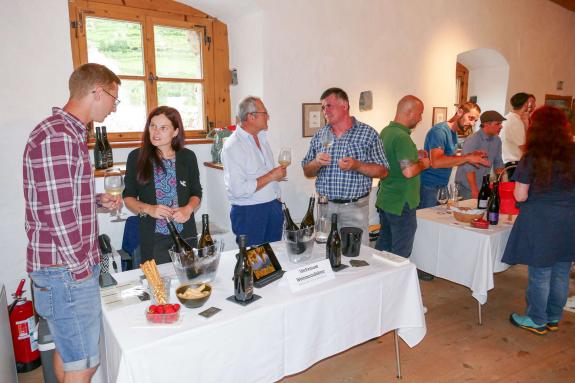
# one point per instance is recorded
(162, 182)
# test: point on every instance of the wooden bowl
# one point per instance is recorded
(466, 218)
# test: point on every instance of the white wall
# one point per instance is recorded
(289, 52)
(36, 63)
(490, 87)
(488, 78)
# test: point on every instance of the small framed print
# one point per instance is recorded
(312, 118)
(439, 114)
(561, 102)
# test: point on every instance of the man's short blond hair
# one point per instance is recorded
(86, 77)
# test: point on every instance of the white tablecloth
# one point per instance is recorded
(459, 253)
(281, 334)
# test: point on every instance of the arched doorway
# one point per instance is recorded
(488, 78)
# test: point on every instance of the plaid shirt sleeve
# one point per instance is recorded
(55, 168)
(376, 153)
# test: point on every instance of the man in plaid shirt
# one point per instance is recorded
(345, 155)
(63, 256)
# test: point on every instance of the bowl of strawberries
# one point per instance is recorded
(166, 313)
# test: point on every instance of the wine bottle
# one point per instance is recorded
(243, 275)
(108, 148)
(308, 221)
(493, 207)
(180, 245)
(205, 239)
(100, 161)
(333, 244)
(484, 193)
(290, 224)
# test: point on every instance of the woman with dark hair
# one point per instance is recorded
(543, 235)
(162, 182)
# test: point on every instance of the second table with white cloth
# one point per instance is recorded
(455, 251)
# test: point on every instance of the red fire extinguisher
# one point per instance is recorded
(24, 332)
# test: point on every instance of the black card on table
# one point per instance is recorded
(358, 263)
(210, 312)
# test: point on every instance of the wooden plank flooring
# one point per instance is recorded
(456, 349)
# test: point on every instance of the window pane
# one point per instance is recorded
(115, 44)
(187, 98)
(178, 52)
(130, 116)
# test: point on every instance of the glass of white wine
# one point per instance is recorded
(114, 185)
(327, 139)
(284, 158)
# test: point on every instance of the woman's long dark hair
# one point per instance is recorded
(149, 154)
(551, 148)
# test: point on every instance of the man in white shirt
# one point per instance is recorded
(513, 132)
(251, 177)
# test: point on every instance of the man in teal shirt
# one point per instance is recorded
(398, 195)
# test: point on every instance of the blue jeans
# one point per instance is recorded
(397, 232)
(547, 292)
(261, 223)
(73, 312)
(428, 196)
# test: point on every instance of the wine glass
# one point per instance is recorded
(114, 185)
(284, 158)
(442, 196)
(327, 139)
(453, 192)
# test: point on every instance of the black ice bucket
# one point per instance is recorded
(350, 241)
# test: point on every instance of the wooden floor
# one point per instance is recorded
(456, 349)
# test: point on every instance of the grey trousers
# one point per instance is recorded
(353, 214)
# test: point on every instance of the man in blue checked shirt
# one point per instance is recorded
(344, 156)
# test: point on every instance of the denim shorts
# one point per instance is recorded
(73, 312)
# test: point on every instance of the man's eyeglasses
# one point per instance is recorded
(116, 99)
(266, 113)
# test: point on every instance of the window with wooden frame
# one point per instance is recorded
(165, 53)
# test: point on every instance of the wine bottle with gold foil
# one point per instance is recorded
(206, 238)
(289, 223)
(308, 221)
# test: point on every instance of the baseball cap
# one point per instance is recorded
(491, 115)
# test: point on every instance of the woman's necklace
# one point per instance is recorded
(169, 156)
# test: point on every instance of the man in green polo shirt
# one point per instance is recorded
(398, 194)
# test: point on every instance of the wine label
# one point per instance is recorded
(482, 204)
(493, 217)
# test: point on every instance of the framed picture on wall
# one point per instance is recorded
(312, 118)
(561, 102)
(439, 114)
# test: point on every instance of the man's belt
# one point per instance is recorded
(340, 201)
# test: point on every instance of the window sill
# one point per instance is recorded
(214, 165)
(99, 173)
(137, 144)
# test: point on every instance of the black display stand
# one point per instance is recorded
(232, 298)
